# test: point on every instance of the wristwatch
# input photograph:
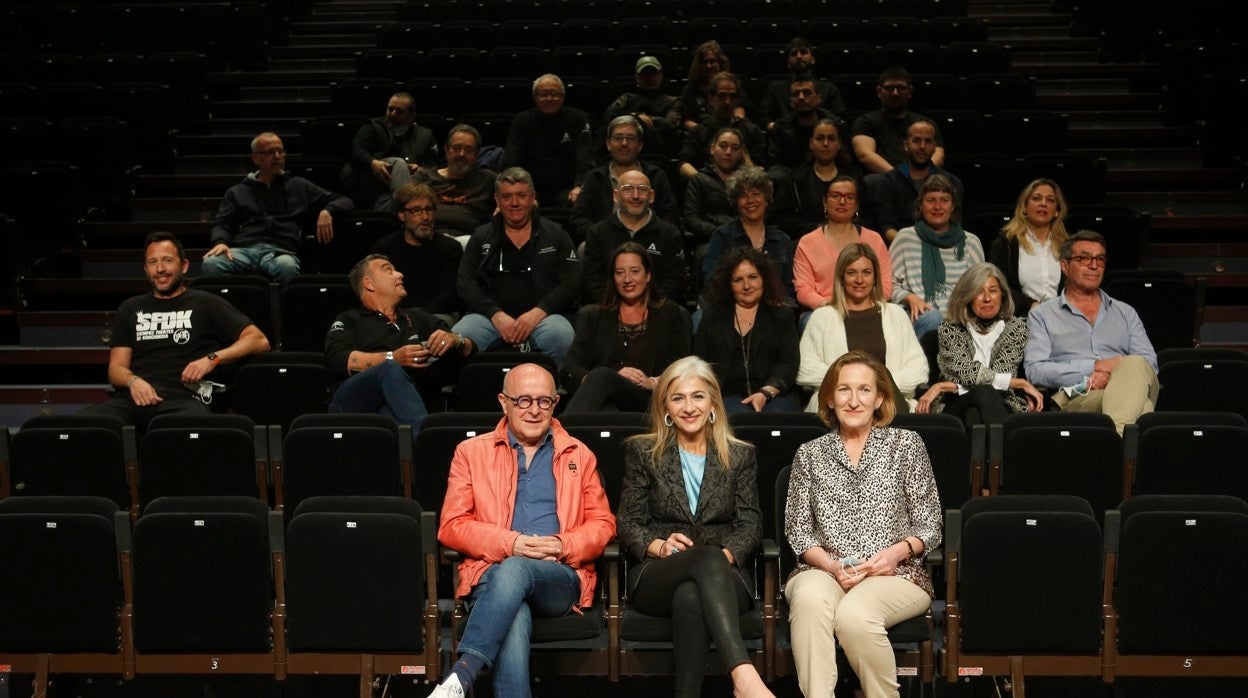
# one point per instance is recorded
(389, 356)
(212, 356)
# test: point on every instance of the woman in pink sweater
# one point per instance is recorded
(814, 263)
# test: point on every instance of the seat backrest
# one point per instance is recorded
(67, 595)
(204, 461)
(202, 576)
(1166, 306)
(1193, 528)
(345, 459)
(1192, 459)
(1203, 385)
(774, 447)
(434, 448)
(72, 460)
(1034, 563)
(952, 451)
(277, 393)
(1062, 453)
(606, 441)
(349, 558)
(308, 310)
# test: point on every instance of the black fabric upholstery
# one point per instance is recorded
(196, 461)
(87, 460)
(355, 579)
(202, 577)
(1035, 568)
(61, 587)
(1046, 454)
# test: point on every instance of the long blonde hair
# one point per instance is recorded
(662, 436)
(1016, 227)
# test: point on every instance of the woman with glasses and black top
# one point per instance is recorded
(624, 343)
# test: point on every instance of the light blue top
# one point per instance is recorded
(1062, 346)
(693, 467)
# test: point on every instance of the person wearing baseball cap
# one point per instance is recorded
(658, 112)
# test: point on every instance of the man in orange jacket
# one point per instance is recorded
(525, 506)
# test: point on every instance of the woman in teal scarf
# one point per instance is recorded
(930, 257)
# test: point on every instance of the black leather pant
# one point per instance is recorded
(704, 597)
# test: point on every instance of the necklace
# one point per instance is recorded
(743, 329)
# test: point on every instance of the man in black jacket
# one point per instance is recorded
(553, 142)
(386, 152)
(519, 275)
(634, 220)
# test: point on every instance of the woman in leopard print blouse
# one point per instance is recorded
(862, 510)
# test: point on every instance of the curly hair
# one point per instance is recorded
(719, 287)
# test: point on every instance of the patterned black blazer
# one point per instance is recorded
(654, 504)
(956, 358)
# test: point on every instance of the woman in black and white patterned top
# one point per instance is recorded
(862, 511)
(981, 347)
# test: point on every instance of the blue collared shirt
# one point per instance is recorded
(1063, 347)
(535, 512)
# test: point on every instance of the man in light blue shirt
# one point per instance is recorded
(1089, 347)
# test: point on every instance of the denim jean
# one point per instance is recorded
(382, 389)
(552, 335)
(516, 588)
(274, 262)
(927, 322)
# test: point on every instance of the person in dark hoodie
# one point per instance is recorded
(519, 275)
(633, 220)
(259, 224)
(553, 142)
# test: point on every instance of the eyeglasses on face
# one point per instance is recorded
(630, 188)
(842, 196)
(1087, 260)
(524, 402)
(624, 138)
(417, 210)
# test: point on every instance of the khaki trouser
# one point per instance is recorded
(1131, 391)
(822, 614)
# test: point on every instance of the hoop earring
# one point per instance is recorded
(667, 420)
(712, 416)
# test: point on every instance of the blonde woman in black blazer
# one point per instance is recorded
(689, 517)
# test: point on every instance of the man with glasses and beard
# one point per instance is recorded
(1088, 347)
(634, 220)
(427, 258)
(465, 191)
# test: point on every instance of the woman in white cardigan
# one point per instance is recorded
(860, 318)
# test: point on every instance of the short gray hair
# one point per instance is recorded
(749, 177)
(513, 175)
(626, 120)
(549, 77)
(356, 276)
(963, 294)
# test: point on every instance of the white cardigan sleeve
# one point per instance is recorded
(904, 355)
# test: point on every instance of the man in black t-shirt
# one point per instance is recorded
(427, 258)
(165, 343)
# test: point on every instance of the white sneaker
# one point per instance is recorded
(449, 688)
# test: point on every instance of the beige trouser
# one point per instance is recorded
(1131, 391)
(819, 611)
